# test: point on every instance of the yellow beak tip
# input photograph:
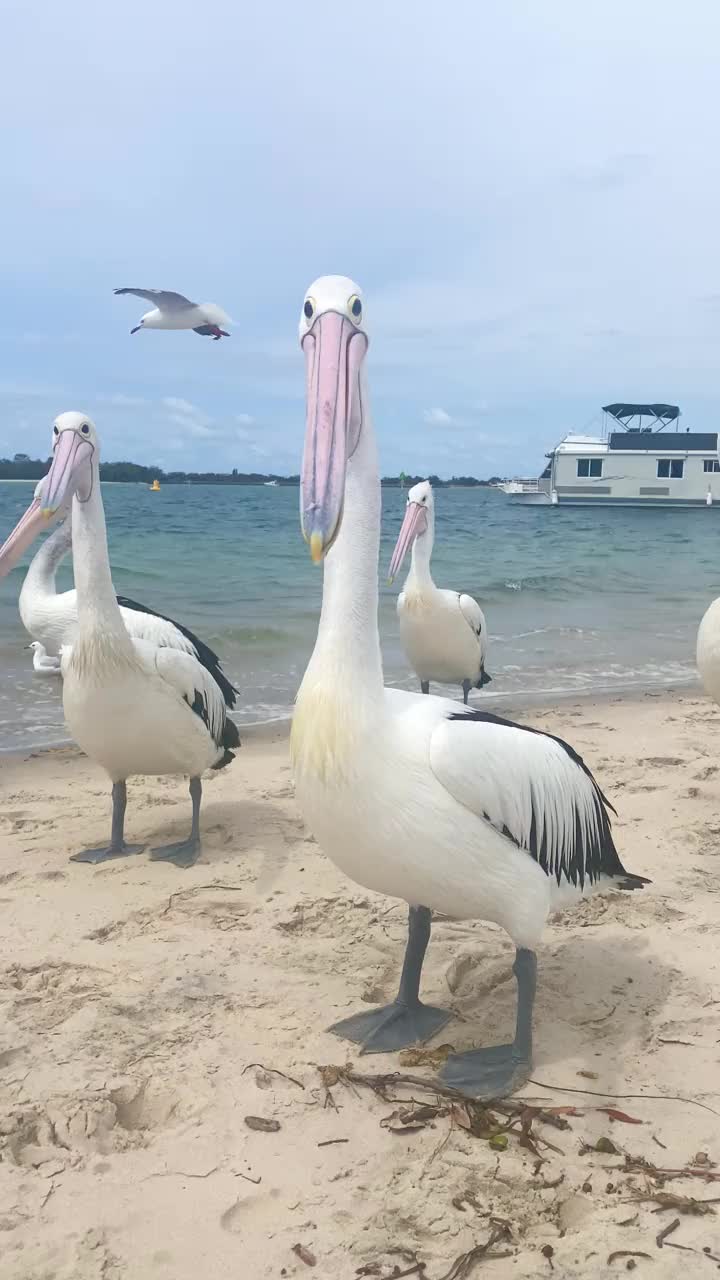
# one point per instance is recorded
(316, 547)
(47, 512)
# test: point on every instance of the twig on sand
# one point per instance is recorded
(465, 1263)
(662, 1236)
(624, 1097)
(272, 1071)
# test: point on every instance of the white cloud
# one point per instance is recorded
(181, 406)
(437, 418)
(245, 418)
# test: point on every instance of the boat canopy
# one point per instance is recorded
(624, 413)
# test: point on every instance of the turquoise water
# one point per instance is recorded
(575, 600)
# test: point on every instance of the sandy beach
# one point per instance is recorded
(147, 1013)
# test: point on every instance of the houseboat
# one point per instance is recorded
(629, 464)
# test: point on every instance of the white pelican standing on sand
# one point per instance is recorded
(132, 706)
(51, 617)
(450, 809)
(175, 311)
(443, 633)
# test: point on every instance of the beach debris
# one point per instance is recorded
(627, 1253)
(465, 1262)
(411, 1119)
(662, 1236)
(304, 1255)
(426, 1057)
(604, 1146)
(332, 1142)
(394, 1271)
(548, 1252)
(683, 1204)
(272, 1071)
(621, 1116)
(261, 1124)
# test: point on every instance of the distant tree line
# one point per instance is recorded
(21, 467)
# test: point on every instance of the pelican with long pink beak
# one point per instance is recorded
(446, 808)
(131, 705)
(443, 632)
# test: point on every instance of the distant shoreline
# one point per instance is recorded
(28, 469)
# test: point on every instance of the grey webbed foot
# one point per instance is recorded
(184, 853)
(406, 1021)
(487, 1073)
(104, 855)
(395, 1026)
(500, 1070)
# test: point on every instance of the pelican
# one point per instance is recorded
(445, 807)
(43, 663)
(175, 311)
(708, 650)
(443, 633)
(132, 706)
(51, 617)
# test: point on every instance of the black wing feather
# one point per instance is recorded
(587, 859)
(205, 655)
(229, 736)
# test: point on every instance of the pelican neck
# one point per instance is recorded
(347, 650)
(97, 605)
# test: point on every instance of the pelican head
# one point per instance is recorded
(334, 340)
(419, 517)
(71, 474)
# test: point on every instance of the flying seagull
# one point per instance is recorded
(175, 311)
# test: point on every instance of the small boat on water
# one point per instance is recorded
(270, 484)
(635, 466)
(154, 487)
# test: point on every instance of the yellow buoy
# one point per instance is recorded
(154, 487)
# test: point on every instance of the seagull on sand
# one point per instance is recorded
(175, 311)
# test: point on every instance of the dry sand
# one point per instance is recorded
(138, 1001)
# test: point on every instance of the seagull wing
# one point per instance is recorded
(165, 299)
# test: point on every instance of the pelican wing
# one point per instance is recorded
(193, 683)
(531, 787)
(472, 613)
(165, 299)
(144, 623)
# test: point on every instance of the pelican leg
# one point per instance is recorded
(406, 1021)
(117, 847)
(466, 690)
(424, 686)
(500, 1070)
(184, 853)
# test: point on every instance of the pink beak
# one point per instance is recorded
(28, 528)
(414, 523)
(334, 351)
(71, 452)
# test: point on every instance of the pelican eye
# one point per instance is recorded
(85, 429)
(56, 431)
(309, 309)
(355, 307)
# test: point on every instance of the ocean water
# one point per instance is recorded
(575, 600)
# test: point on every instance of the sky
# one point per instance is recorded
(527, 191)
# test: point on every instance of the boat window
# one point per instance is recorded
(589, 467)
(670, 468)
(711, 464)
